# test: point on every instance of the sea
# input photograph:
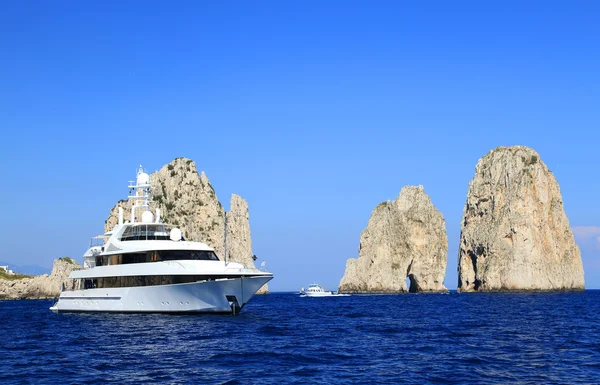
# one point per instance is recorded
(282, 338)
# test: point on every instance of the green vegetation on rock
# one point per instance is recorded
(381, 205)
(12, 277)
(68, 260)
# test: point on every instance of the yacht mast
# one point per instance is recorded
(140, 193)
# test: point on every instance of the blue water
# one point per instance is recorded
(283, 338)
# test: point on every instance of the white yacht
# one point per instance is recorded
(148, 266)
(315, 290)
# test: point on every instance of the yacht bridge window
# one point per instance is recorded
(147, 232)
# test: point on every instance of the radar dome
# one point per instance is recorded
(175, 234)
(147, 217)
(143, 178)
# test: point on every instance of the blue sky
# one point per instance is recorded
(313, 111)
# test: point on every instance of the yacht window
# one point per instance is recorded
(156, 256)
(174, 255)
(146, 280)
(134, 258)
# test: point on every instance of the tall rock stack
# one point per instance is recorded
(515, 235)
(239, 244)
(405, 238)
(188, 200)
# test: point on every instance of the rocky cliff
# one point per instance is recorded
(515, 235)
(40, 287)
(404, 238)
(188, 200)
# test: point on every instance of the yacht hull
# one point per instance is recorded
(219, 296)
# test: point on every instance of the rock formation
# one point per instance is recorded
(239, 244)
(515, 235)
(188, 200)
(41, 287)
(404, 238)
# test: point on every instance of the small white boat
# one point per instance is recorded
(315, 290)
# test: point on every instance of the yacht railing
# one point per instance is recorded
(245, 269)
